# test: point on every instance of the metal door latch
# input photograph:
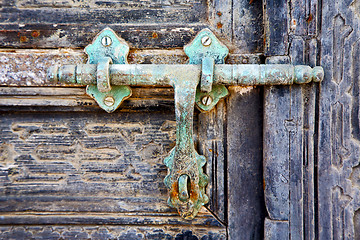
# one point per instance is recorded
(202, 82)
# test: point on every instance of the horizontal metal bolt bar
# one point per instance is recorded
(165, 75)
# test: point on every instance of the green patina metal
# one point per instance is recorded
(203, 47)
(214, 96)
(107, 48)
(201, 82)
(185, 165)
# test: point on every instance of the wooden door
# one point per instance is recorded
(283, 161)
(311, 133)
(69, 170)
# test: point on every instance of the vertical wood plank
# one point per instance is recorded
(276, 151)
(248, 33)
(244, 164)
(275, 27)
(338, 145)
(276, 230)
(238, 24)
(211, 144)
(295, 128)
(309, 105)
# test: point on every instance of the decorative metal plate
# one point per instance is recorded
(107, 45)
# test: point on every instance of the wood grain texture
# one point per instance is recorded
(276, 27)
(143, 24)
(76, 165)
(276, 230)
(74, 168)
(212, 139)
(70, 232)
(246, 210)
(290, 147)
(76, 99)
(339, 148)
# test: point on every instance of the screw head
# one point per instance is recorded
(106, 41)
(109, 101)
(206, 100)
(206, 41)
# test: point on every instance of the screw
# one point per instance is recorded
(206, 100)
(244, 61)
(206, 41)
(106, 41)
(109, 101)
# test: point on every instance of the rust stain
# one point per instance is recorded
(155, 35)
(194, 193)
(35, 34)
(264, 40)
(23, 39)
(219, 25)
(310, 18)
(219, 13)
(174, 193)
(264, 184)
(251, 1)
(210, 150)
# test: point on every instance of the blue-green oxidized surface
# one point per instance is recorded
(117, 49)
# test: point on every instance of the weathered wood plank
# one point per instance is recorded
(248, 26)
(156, 219)
(276, 151)
(137, 92)
(296, 163)
(309, 194)
(49, 24)
(276, 230)
(50, 15)
(29, 67)
(105, 169)
(211, 144)
(39, 35)
(121, 232)
(276, 27)
(238, 24)
(70, 156)
(296, 146)
(99, 4)
(163, 24)
(246, 210)
(75, 99)
(338, 144)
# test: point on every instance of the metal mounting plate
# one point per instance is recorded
(207, 45)
(108, 45)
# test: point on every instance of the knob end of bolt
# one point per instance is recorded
(318, 74)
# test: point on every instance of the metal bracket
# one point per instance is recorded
(207, 50)
(202, 81)
(107, 48)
